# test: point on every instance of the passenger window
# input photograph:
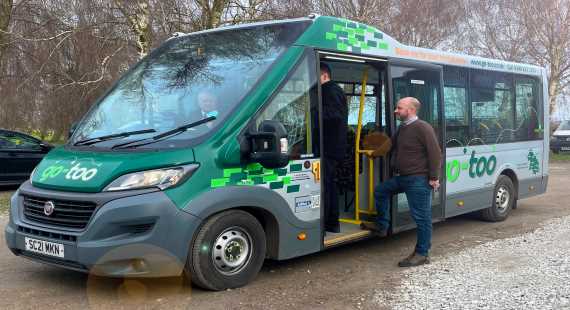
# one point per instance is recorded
(26, 143)
(456, 108)
(292, 107)
(7, 143)
(421, 84)
(528, 110)
(353, 93)
(492, 105)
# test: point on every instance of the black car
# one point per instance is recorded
(19, 154)
(560, 139)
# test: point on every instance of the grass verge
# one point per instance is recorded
(560, 157)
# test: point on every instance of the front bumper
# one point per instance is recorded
(131, 234)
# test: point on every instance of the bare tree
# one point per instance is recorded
(138, 17)
(211, 12)
(427, 23)
(524, 31)
(5, 15)
(547, 26)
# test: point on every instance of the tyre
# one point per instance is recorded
(228, 251)
(504, 197)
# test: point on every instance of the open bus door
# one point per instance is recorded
(363, 80)
(424, 82)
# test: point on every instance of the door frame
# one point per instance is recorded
(441, 137)
(338, 56)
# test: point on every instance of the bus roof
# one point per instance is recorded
(344, 35)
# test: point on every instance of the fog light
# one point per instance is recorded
(460, 203)
(138, 265)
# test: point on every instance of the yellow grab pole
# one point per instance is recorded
(357, 146)
(370, 184)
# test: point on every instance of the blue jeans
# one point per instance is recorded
(418, 192)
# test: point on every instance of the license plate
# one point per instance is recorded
(44, 247)
(565, 148)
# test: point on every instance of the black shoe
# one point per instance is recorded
(380, 232)
(414, 260)
(333, 228)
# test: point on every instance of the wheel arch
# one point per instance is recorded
(270, 226)
(510, 173)
(268, 207)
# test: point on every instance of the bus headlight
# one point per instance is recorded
(161, 178)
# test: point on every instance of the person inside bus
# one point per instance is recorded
(207, 106)
(335, 117)
(416, 161)
(208, 103)
(529, 126)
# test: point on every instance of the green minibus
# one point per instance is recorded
(204, 159)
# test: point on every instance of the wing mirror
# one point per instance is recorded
(46, 146)
(267, 144)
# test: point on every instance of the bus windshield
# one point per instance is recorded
(189, 78)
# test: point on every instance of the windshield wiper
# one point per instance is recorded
(165, 134)
(111, 137)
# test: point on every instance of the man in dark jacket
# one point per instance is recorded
(416, 161)
(335, 116)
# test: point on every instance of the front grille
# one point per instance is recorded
(47, 234)
(69, 214)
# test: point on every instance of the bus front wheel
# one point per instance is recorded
(503, 200)
(228, 251)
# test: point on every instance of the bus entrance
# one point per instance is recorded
(373, 87)
(364, 81)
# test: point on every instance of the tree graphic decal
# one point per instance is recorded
(532, 162)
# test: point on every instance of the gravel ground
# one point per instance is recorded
(531, 271)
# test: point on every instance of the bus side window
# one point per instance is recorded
(455, 106)
(492, 106)
(292, 107)
(528, 110)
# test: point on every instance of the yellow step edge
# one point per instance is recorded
(346, 238)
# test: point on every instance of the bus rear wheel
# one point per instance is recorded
(228, 251)
(503, 201)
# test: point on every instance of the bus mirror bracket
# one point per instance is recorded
(268, 144)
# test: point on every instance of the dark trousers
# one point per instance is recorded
(418, 192)
(331, 193)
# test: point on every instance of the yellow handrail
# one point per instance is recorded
(357, 146)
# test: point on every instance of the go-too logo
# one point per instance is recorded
(475, 166)
(73, 171)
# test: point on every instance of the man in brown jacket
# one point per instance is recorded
(416, 161)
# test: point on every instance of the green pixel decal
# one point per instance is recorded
(355, 37)
(533, 164)
(255, 174)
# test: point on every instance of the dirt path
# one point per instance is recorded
(341, 278)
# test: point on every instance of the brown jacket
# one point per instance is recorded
(416, 150)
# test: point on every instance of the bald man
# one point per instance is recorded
(416, 161)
